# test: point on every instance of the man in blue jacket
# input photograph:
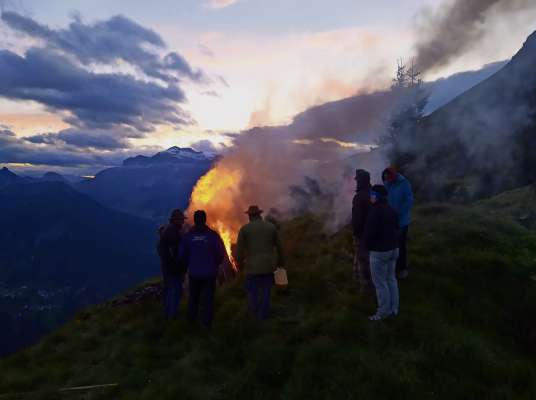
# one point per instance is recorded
(400, 198)
(202, 251)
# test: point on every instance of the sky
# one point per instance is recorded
(93, 82)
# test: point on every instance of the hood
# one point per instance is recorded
(362, 178)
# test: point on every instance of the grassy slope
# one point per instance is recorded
(466, 328)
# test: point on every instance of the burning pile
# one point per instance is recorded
(215, 193)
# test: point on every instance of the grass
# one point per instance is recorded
(466, 330)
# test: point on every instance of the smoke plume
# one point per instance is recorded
(456, 26)
(307, 166)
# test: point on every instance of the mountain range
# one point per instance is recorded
(149, 187)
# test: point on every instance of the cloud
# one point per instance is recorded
(6, 132)
(219, 4)
(208, 147)
(113, 139)
(69, 148)
(107, 42)
(89, 99)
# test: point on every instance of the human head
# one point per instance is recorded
(254, 212)
(177, 217)
(389, 174)
(362, 178)
(200, 218)
(378, 194)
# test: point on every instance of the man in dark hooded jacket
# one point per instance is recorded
(202, 251)
(172, 269)
(360, 211)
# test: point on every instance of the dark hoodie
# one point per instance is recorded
(381, 229)
(361, 203)
(168, 250)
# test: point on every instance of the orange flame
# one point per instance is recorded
(215, 193)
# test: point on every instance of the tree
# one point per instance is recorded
(399, 143)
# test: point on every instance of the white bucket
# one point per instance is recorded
(280, 277)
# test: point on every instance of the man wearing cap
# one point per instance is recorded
(202, 251)
(172, 269)
(360, 210)
(400, 198)
(259, 252)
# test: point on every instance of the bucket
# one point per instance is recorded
(280, 277)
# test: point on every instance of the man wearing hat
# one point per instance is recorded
(360, 210)
(259, 252)
(172, 268)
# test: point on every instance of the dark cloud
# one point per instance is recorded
(69, 148)
(118, 38)
(6, 132)
(90, 99)
(87, 139)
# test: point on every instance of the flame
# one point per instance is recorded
(215, 193)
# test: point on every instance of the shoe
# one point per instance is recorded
(376, 317)
(403, 274)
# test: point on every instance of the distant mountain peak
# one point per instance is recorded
(186, 152)
(6, 172)
(172, 155)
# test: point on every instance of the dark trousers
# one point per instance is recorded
(172, 295)
(402, 262)
(202, 294)
(361, 270)
(259, 289)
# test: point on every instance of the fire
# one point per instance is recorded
(216, 193)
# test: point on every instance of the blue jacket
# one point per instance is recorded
(202, 251)
(401, 199)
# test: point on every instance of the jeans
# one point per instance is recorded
(172, 295)
(402, 262)
(361, 268)
(382, 265)
(202, 294)
(259, 289)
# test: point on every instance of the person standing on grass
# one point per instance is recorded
(401, 200)
(259, 252)
(360, 210)
(381, 238)
(202, 251)
(172, 269)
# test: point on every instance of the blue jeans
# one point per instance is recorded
(382, 268)
(202, 293)
(172, 295)
(259, 289)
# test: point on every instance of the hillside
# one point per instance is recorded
(60, 251)
(466, 327)
(484, 141)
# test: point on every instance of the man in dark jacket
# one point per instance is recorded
(381, 239)
(259, 252)
(172, 269)
(202, 251)
(400, 198)
(360, 210)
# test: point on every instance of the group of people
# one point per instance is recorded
(381, 215)
(201, 253)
